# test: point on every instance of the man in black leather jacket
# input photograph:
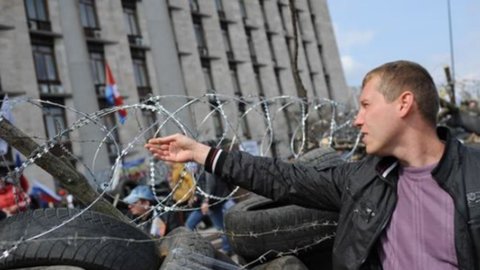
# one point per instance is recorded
(412, 203)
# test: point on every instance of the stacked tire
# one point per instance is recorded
(57, 236)
(260, 229)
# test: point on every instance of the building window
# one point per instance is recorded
(256, 71)
(236, 83)
(44, 62)
(36, 10)
(141, 73)
(314, 85)
(219, 5)
(280, 12)
(88, 15)
(298, 15)
(110, 122)
(251, 47)
(199, 34)
(272, 51)
(55, 121)
(264, 14)
(130, 18)
(279, 82)
(45, 67)
(329, 86)
(214, 103)
(217, 116)
(285, 111)
(55, 124)
(243, 9)
(194, 7)
(97, 64)
(207, 74)
(140, 68)
(226, 38)
(241, 106)
(150, 119)
(290, 46)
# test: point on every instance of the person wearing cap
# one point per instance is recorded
(140, 202)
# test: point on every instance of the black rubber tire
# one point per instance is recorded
(222, 257)
(185, 248)
(180, 258)
(259, 217)
(251, 225)
(182, 237)
(287, 262)
(91, 241)
(183, 259)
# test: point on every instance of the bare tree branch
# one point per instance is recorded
(72, 180)
(301, 90)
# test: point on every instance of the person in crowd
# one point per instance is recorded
(212, 203)
(412, 203)
(13, 198)
(141, 202)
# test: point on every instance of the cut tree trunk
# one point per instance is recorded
(73, 181)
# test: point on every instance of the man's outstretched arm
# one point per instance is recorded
(178, 148)
(273, 178)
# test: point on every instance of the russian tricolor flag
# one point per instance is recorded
(112, 95)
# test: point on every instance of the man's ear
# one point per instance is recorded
(406, 101)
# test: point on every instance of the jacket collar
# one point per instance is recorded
(387, 165)
(449, 158)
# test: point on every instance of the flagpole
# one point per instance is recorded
(452, 58)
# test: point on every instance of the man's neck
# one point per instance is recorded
(420, 148)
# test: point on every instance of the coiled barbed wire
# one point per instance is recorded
(259, 107)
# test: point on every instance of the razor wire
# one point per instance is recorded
(332, 118)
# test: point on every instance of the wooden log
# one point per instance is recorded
(71, 179)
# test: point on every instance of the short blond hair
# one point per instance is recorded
(398, 76)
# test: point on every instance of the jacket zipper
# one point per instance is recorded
(384, 224)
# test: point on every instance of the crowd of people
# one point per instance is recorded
(18, 196)
(13, 198)
(207, 200)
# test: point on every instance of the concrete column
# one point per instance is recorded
(331, 55)
(165, 58)
(83, 89)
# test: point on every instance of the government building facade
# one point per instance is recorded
(56, 51)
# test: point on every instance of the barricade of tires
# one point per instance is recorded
(261, 228)
(90, 241)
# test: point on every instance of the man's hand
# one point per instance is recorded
(178, 148)
(204, 208)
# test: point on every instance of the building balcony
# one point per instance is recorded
(137, 42)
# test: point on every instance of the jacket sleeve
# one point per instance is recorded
(314, 187)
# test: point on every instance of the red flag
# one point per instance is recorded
(112, 95)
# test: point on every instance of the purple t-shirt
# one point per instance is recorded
(421, 232)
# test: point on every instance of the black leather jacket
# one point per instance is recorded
(365, 194)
